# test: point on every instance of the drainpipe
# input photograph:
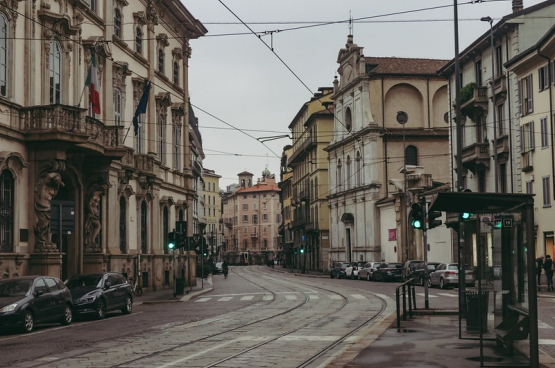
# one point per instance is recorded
(510, 119)
(385, 142)
(550, 119)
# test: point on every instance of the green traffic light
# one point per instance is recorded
(171, 245)
(302, 250)
(466, 215)
(416, 224)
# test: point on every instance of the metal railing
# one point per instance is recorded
(407, 288)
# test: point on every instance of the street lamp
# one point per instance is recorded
(490, 21)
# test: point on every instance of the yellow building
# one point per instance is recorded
(81, 192)
(212, 212)
(311, 131)
(533, 69)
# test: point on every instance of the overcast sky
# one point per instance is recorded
(237, 80)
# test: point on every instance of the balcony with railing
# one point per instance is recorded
(254, 235)
(65, 127)
(474, 100)
(503, 147)
(476, 156)
(500, 82)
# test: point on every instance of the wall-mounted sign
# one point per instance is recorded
(392, 234)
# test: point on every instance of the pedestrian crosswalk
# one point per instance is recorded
(312, 296)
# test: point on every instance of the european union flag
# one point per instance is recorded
(141, 107)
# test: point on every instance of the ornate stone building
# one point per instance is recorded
(79, 190)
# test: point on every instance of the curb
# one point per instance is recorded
(184, 298)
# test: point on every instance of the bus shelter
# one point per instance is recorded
(498, 295)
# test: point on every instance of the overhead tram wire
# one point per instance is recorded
(152, 82)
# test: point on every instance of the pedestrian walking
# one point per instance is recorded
(539, 266)
(548, 267)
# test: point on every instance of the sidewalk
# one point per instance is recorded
(166, 295)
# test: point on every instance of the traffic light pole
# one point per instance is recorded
(424, 205)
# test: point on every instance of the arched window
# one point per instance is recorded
(122, 225)
(161, 60)
(6, 212)
(161, 128)
(339, 176)
(165, 229)
(144, 247)
(359, 170)
(3, 55)
(139, 40)
(175, 72)
(117, 107)
(348, 119)
(117, 23)
(411, 156)
(176, 147)
(348, 178)
(55, 72)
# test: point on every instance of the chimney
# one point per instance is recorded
(517, 5)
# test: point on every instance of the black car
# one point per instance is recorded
(29, 300)
(388, 271)
(419, 275)
(99, 293)
(338, 270)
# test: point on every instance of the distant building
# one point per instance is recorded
(251, 218)
(286, 254)
(212, 213)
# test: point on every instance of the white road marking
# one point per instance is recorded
(314, 297)
(449, 295)
(268, 297)
(248, 297)
(290, 297)
(544, 325)
(383, 296)
(336, 297)
(225, 298)
(309, 338)
(429, 295)
(358, 296)
(546, 341)
(202, 300)
(197, 354)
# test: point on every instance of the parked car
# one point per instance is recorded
(409, 267)
(365, 272)
(419, 275)
(338, 269)
(447, 275)
(99, 293)
(218, 268)
(388, 271)
(352, 269)
(30, 300)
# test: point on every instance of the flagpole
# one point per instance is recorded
(126, 133)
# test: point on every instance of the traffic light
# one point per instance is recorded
(417, 216)
(432, 219)
(302, 249)
(171, 240)
(465, 216)
(180, 240)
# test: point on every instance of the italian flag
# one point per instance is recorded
(92, 83)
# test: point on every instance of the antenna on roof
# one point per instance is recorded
(350, 23)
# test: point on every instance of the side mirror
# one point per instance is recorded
(39, 293)
(107, 285)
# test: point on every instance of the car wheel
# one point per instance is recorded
(367, 277)
(28, 322)
(338, 275)
(128, 305)
(441, 283)
(101, 309)
(68, 315)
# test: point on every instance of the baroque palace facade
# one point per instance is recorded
(79, 190)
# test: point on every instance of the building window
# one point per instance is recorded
(122, 225)
(546, 192)
(530, 187)
(339, 176)
(161, 61)
(527, 140)
(139, 139)
(265, 217)
(245, 207)
(481, 129)
(543, 78)
(499, 60)
(4, 26)
(144, 248)
(139, 40)
(481, 181)
(7, 203)
(478, 71)
(503, 178)
(245, 218)
(501, 119)
(55, 72)
(117, 23)
(359, 170)
(93, 5)
(117, 107)
(411, 156)
(348, 119)
(525, 92)
(348, 176)
(544, 133)
(161, 129)
(176, 73)
(177, 147)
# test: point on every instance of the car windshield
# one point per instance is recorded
(15, 287)
(453, 267)
(91, 281)
(432, 267)
(393, 265)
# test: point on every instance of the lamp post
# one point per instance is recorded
(490, 21)
(402, 118)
